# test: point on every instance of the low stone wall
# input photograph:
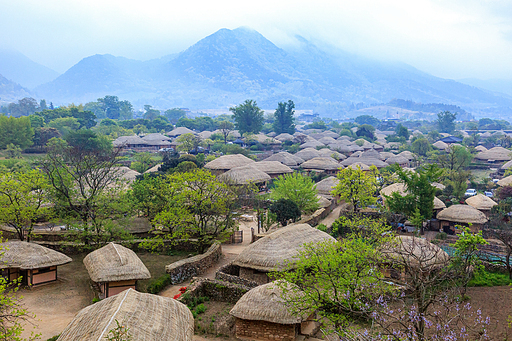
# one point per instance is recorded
(214, 289)
(231, 273)
(264, 330)
(185, 269)
(318, 215)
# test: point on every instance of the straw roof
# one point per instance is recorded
(480, 148)
(359, 165)
(398, 187)
(322, 163)
(330, 133)
(180, 131)
(148, 317)
(323, 202)
(262, 138)
(438, 204)
(418, 252)
(114, 262)
(244, 175)
(481, 202)
(325, 152)
(205, 134)
(153, 169)
(505, 181)
(371, 154)
(397, 159)
(155, 137)
(327, 185)
(226, 162)
(284, 137)
(438, 185)
(286, 159)
(270, 252)
(375, 162)
(126, 174)
(440, 145)
(308, 154)
(327, 140)
(507, 165)
(496, 153)
(272, 167)
(311, 144)
(407, 154)
(462, 214)
(386, 155)
(28, 256)
(265, 303)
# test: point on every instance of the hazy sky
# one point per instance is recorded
(447, 38)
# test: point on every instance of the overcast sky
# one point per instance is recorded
(447, 38)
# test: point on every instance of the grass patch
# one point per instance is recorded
(489, 279)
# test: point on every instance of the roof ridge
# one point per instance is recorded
(113, 315)
(117, 251)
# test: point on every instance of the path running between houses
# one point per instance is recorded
(229, 253)
(331, 217)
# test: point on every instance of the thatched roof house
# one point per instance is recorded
(481, 203)
(270, 252)
(286, 159)
(180, 131)
(263, 314)
(327, 140)
(480, 148)
(359, 165)
(227, 162)
(115, 268)
(324, 164)
(35, 263)
(440, 145)
(507, 181)
(147, 317)
(272, 168)
(438, 185)
(438, 204)
(311, 144)
(398, 187)
(506, 165)
(307, 154)
(326, 152)
(326, 186)
(284, 137)
(153, 169)
(495, 154)
(244, 175)
(461, 215)
(374, 161)
(400, 160)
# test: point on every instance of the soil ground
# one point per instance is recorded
(56, 304)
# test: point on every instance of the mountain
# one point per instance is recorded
(20, 69)
(230, 66)
(503, 86)
(10, 91)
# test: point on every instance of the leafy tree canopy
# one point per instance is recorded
(367, 119)
(285, 210)
(446, 122)
(297, 188)
(283, 118)
(248, 117)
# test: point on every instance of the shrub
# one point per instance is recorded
(489, 279)
(157, 285)
(200, 309)
(53, 338)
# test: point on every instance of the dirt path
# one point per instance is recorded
(229, 253)
(335, 214)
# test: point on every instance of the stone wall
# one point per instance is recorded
(254, 276)
(263, 330)
(231, 273)
(318, 215)
(214, 289)
(185, 269)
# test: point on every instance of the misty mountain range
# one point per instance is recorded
(230, 66)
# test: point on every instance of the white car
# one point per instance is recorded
(488, 194)
(470, 192)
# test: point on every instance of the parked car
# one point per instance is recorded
(488, 194)
(470, 192)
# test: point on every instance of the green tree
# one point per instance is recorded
(421, 146)
(22, 198)
(357, 187)
(285, 210)
(283, 118)
(16, 131)
(173, 115)
(456, 159)
(466, 255)
(110, 106)
(198, 206)
(446, 122)
(402, 131)
(125, 110)
(64, 125)
(298, 188)
(367, 119)
(149, 195)
(150, 113)
(13, 152)
(248, 117)
(225, 128)
(143, 162)
(366, 131)
(25, 107)
(188, 142)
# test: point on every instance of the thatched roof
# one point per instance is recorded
(114, 262)
(153, 169)
(126, 174)
(28, 256)
(481, 202)
(326, 152)
(417, 252)
(226, 162)
(359, 165)
(327, 185)
(438, 185)
(507, 181)
(180, 131)
(205, 134)
(507, 165)
(155, 137)
(480, 148)
(244, 175)
(440, 145)
(323, 202)
(262, 138)
(272, 167)
(398, 187)
(375, 162)
(407, 154)
(270, 252)
(148, 317)
(265, 303)
(386, 155)
(311, 144)
(308, 154)
(438, 204)
(462, 214)
(327, 140)
(322, 163)
(371, 154)
(284, 137)
(286, 159)
(496, 153)
(344, 146)
(397, 159)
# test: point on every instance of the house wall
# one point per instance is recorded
(254, 275)
(263, 330)
(39, 276)
(114, 288)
